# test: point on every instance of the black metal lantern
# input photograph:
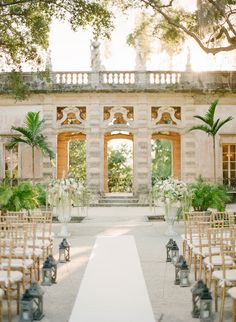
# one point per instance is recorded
(26, 308)
(196, 292)
(47, 273)
(54, 268)
(174, 253)
(177, 269)
(184, 275)
(206, 314)
(36, 292)
(64, 251)
(168, 248)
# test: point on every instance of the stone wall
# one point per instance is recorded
(195, 148)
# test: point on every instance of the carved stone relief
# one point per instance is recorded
(166, 115)
(71, 115)
(118, 116)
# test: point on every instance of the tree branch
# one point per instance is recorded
(231, 27)
(188, 32)
(13, 3)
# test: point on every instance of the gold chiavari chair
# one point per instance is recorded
(225, 277)
(16, 217)
(194, 238)
(214, 259)
(1, 296)
(9, 280)
(43, 221)
(232, 294)
(226, 218)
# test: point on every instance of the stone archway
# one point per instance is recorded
(108, 137)
(174, 138)
(63, 140)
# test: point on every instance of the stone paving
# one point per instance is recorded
(170, 303)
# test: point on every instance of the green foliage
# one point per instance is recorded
(5, 195)
(162, 160)
(211, 25)
(31, 134)
(77, 159)
(23, 196)
(119, 172)
(41, 191)
(206, 195)
(18, 88)
(25, 25)
(210, 126)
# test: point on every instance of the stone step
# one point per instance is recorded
(118, 205)
(106, 200)
(119, 197)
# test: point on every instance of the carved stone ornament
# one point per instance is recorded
(119, 117)
(71, 116)
(166, 115)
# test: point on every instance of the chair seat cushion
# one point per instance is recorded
(230, 275)
(217, 261)
(18, 263)
(29, 252)
(205, 251)
(13, 277)
(232, 292)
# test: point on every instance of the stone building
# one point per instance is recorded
(140, 106)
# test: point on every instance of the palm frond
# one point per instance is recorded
(223, 122)
(202, 127)
(23, 131)
(14, 141)
(43, 145)
(33, 123)
(211, 113)
(214, 127)
(202, 118)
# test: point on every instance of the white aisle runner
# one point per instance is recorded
(113, 287)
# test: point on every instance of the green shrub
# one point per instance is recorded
(41, 191)
(16, 198)
(206, 195)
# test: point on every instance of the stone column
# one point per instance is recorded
(95, 148)
(142, 161)
(188, 146)
(49, 114)
(95, 160)
(142, 147)
(2, 160)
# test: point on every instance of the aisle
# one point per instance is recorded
(113, 286)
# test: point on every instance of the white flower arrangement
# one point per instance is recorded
(63, 190)
(171, 191)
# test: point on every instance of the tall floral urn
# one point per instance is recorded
(63, 212)
(175, 197)
(61, 195)
(171, 212)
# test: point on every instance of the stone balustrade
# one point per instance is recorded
(127, 81)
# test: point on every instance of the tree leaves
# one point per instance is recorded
(25, 25)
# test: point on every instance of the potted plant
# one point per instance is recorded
(206, 195)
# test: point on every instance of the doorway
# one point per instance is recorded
(118, 163)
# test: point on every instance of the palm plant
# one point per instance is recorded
(31, 134)
(211, 127)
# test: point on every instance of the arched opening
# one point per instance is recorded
(118, 161)
(71, 155)
(165, 155)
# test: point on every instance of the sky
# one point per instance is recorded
(70, 51)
